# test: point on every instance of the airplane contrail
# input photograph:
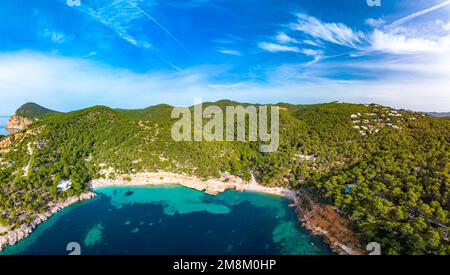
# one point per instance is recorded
(417, 14)
(159, 25)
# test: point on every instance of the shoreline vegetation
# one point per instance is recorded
(14, 236)
(373, 173)
(211, 186)
(312, 216)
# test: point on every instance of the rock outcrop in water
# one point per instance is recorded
(18, 234)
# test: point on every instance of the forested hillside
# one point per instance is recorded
(387, 170)
(33, 110)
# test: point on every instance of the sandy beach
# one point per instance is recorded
(210, 186)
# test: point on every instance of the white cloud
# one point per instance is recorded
(395, 40)
(311, 43)
(228, 85)
(91, 54)
(376, 23)
(444, 25)
(272, 47)
(311, 52)
(400, 43)
(111, 15)
(66, 83)
(336, 33)
(230, 52)
(159, 25)
(284, 38)
(55, 36)
(417, 14)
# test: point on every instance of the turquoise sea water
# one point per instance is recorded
(173, 220)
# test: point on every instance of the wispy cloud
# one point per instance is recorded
(284, 38)
(377, 60)
(159, 25)
(317, 55)
(230, 52)
(118, 16)
(402, 43)
(417, 14)
(398, 40)
(375, 22)
(228, 85)
(336, 33)
(445, 25)
(272, 47)
(121, 16)
(67, 83)
(57, 37)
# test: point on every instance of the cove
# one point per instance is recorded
(173, 220)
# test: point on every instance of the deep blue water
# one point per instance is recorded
(173, 220)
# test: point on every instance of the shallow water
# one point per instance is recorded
(174, 220)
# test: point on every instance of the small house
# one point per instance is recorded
(64, 185)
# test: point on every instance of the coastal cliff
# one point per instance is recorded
(7, 141)
(26, 115)
(326, 221)
(19, 123)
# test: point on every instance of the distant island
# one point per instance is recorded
(437, 114)
(357, 173)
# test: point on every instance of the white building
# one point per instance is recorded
(64, 185)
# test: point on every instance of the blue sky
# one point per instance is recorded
(136, 53)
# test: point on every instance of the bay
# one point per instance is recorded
(173, 220)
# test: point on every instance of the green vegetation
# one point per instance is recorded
(33, 110)
(392, 182)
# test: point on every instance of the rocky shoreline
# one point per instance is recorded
(14, 236)
(326, 222)
(308, 212)
(305, 207)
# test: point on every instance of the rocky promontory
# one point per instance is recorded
(18, 123)
(20, 233)
(326, 221)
